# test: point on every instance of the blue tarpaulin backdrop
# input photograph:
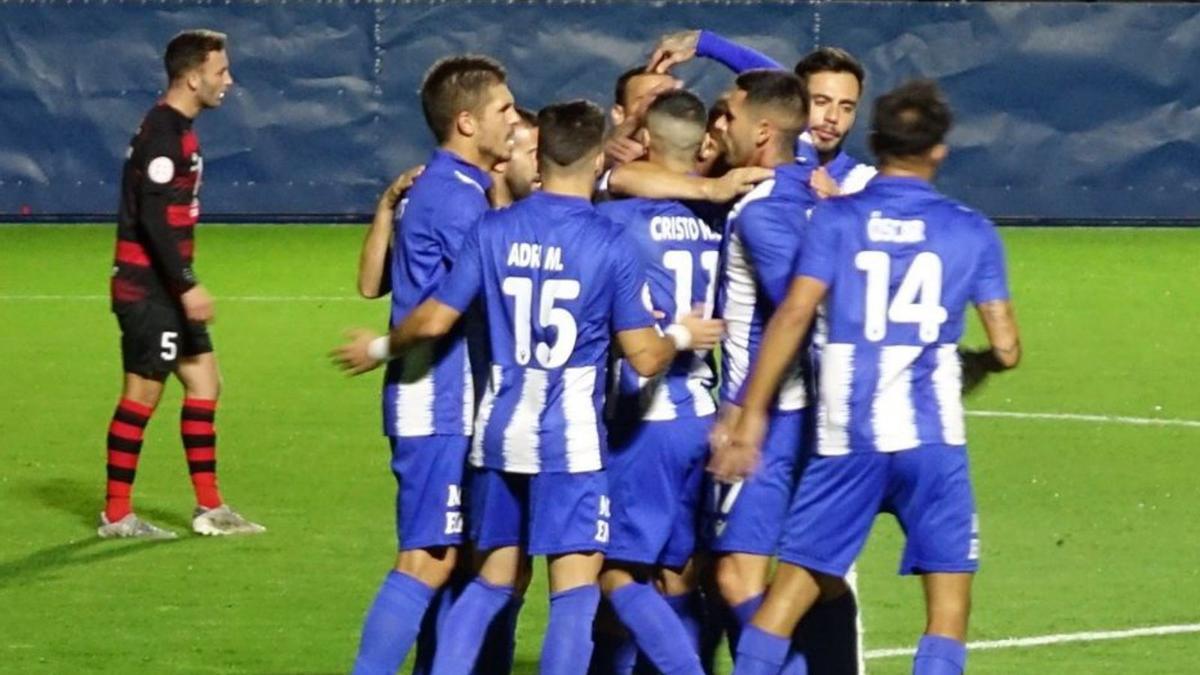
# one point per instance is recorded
(1065, 110)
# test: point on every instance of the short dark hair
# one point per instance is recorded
(623, 83)
(909, 120)
(189, 49)
(455, 84)
(830, 60)
(528, 117)
(569, 132)
(680, 104)
(780, 91)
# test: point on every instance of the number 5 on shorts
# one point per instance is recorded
(169, 348)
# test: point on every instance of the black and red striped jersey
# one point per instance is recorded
(160, 188)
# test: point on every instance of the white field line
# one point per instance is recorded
(1061, 638)
(1073, 417)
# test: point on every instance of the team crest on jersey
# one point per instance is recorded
(161, 170)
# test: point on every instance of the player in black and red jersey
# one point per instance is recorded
(161, 307)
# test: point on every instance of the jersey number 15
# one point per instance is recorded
(521, 290)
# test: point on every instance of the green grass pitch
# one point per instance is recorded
(1087, 526)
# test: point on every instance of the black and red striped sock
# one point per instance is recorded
(125, 433)
(196, 424)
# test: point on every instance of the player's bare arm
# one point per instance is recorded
(649, 352)
(1004, 351)
(373, 257)
(366, 349)
(643, 179)
(738, 457)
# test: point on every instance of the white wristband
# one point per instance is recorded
(380, 348)
(680, 335)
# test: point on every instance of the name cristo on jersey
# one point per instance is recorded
(681, 228)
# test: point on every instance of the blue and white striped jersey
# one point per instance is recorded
(762, 239)
(901, 262)
(680, 246)
(558, 280)
(851, 175)
(430, 390)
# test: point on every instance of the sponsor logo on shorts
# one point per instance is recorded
(454, 519)
(602, 521)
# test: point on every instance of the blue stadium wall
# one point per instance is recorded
(1075, 111)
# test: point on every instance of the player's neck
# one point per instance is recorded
(899, 168)
(827, 156)
(182, 101)
(770, 158)
(468, 152)
(569, 184)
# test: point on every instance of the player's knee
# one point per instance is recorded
(432, 567)
(734, 581)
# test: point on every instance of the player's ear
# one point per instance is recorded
(617, 113)
(598, 168)
(193, 79)
(464, 123)
(762, 134)
(939, 153)
(643, 136)
(708, 148)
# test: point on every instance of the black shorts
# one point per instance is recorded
(155, 336)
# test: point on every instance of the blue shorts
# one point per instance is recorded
(927, 488)
(544, 513)
(655, 471)
(429, 472)
(748, 516)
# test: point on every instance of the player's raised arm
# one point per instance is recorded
(373, 261)
(678, 47)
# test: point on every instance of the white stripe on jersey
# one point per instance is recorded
(858, 178)
(415, 395)
(485, 415)
(741, 293)
(947, 388)
(521, 436)
(741, 299)
(893, 416)
(579, 411)
(655, 399)
(468, 392)
(833, 415)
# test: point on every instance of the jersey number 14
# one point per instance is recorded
(918, 299)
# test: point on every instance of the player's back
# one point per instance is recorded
(763, 236)
(679, 244)
(902, 262)
(552, 268)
